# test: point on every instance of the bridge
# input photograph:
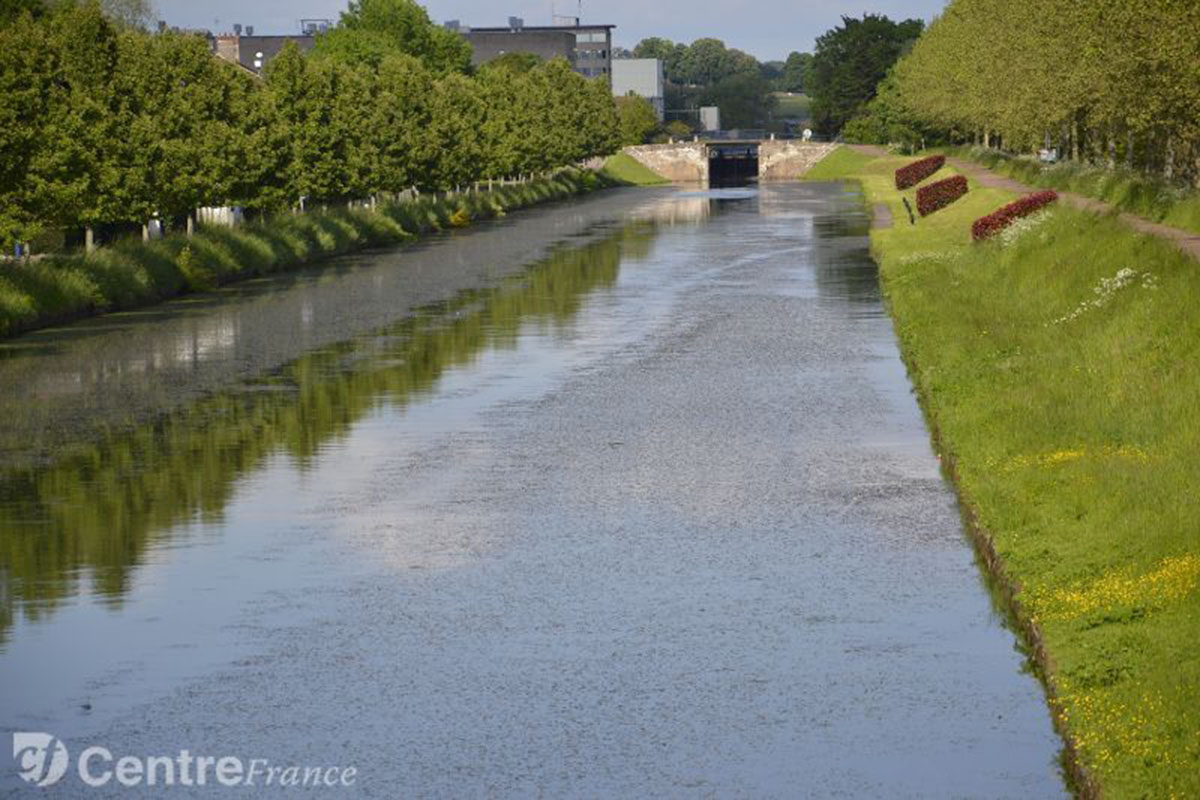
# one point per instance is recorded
(718, 162)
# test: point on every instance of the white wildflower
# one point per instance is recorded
(1023, 226)
(1107, 290)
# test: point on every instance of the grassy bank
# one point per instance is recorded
(1129, 191)
(1057, 366)
(623, 168)
(43, 292)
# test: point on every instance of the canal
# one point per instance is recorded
(627, 496)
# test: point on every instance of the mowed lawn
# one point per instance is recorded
(1060, 367)
(792, 105)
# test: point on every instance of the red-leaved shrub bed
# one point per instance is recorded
(914, 173)
(993, 223)
(937, 196)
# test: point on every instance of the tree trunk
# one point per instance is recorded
(191, 225)
(1075, 140)
(1129, 150)
(1112, 150)
(1169, 164)
(89, 238)
(145, 231)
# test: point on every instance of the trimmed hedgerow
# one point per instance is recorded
(993, 223)
(909, 176)
(937, 196)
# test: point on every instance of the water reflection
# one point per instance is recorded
(844, 267)
(84, 524)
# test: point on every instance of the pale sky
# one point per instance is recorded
(769, 29)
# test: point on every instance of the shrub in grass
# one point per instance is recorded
(210, 261)
(58, 287)
(157, 261)
(253, 254)
(909, 176)
(197, 276)
(120, 280)
(16, 308)
(937, 196)
(989, 226)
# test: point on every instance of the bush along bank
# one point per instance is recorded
(997, 221)
(937, 196)
(1055, 364)
(41, 292)
(910, 175)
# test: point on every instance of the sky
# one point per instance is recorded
(768, 29)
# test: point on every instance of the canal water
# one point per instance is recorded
(623, 497)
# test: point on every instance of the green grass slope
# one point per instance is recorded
(624, 169)
(1057, 365)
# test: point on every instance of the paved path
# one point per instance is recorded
(1186, 241)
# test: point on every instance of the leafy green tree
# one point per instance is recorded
(326, 107)
(26, 74)
(796, 73)
(745, 100)
(669, 53)
(12, 10)
(772, 71)
(677, 129)
(603, 123)
(370, 29)
(708, 61)
(1063, 82)
(849, 63)
(639, 121)
(75, 167)
(886, 121)
(189, 143)
(456, 117)
(400, 119)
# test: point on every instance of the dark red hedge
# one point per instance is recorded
(995, 222)
(914, 173)
(938, 195)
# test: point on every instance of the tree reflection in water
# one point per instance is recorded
(86, 523)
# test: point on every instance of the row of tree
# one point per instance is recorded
(1105, 80)
(849, 63)
(101, 125)
(1112, 82)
